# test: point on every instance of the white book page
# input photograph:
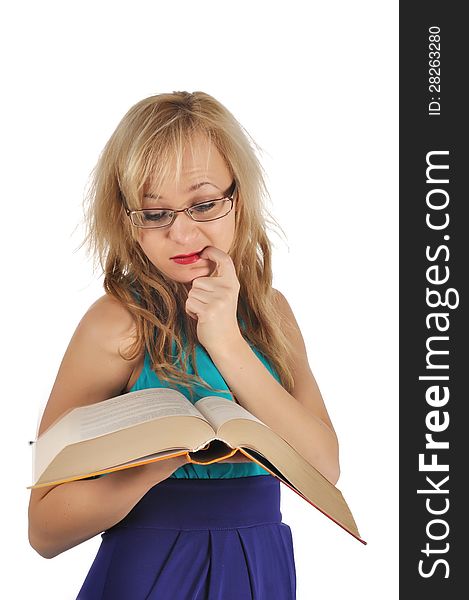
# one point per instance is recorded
(51, 441)
(218, 410)
(93, 420)
(130, 409)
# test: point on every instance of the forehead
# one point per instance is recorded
(200, 161)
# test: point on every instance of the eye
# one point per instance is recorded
(204, 207)
(155, 215)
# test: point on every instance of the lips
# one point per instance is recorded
(187, 255)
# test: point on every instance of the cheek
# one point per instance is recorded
(142, 240)
(147, 245)
(220, 233)
(230, 228)
(234, 226)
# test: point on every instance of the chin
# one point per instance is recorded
(190, 275)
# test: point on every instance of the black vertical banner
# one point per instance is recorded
(434, 357)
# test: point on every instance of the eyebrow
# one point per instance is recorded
(192, 188)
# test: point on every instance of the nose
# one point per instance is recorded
(183, 228)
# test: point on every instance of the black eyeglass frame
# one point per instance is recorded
(229, 195)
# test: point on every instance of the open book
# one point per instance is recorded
(159, 423)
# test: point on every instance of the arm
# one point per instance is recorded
(65, 515)
(73, 512)
(300, 418)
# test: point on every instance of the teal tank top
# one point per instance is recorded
(211, 375)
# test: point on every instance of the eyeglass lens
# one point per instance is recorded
(207, 211)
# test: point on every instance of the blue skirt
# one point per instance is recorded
(198, 539)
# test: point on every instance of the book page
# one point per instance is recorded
(131, 409)
(217, 410)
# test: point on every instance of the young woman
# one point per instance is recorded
(176, 220)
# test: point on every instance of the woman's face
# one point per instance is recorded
(185, 236)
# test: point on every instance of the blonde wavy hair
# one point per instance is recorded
(153, 134)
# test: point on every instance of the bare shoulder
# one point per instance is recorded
(297, 359)
(291, 327)
(92, 368)
(110, 320)
(280, 299)
(111, 313)
(292, 331)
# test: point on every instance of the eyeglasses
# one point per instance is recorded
(208, 210)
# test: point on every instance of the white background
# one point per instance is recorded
(315, 84)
